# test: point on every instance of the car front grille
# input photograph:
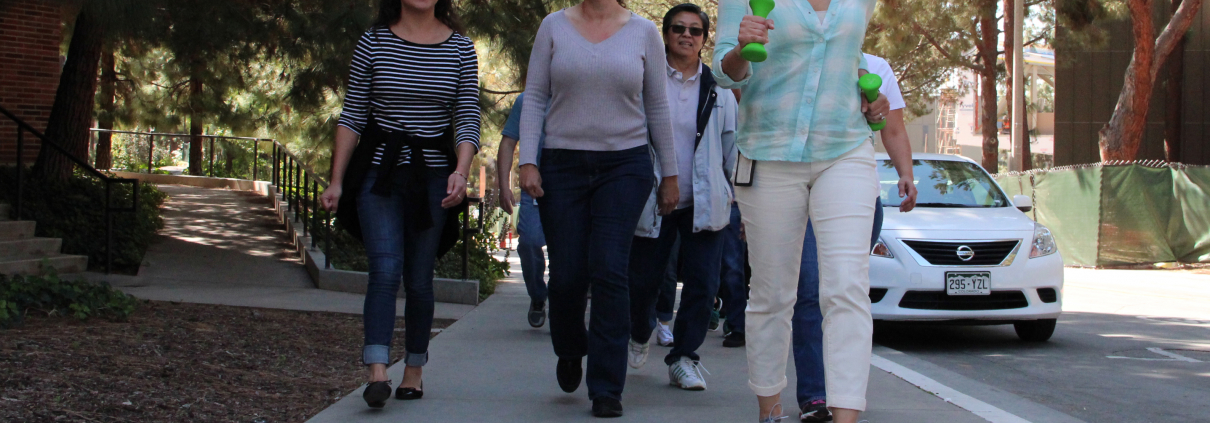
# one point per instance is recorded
(947, 253)
(939, 300)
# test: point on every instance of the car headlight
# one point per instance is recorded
(880, 250)
(1044, 242)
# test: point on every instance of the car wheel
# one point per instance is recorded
(1035, 330)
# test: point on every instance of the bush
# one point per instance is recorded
(21, 295)
(74, 211)
(481, 263)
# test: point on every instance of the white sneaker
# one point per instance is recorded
(663, 334)
(687, 374)
(638, 354)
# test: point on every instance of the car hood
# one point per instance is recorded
(949, 219)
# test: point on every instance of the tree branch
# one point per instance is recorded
(501, 92)
(1173, 32)
(941, 50)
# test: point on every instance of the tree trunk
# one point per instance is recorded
(71, 115)
(987, 51)
(1010, 63)
(1173, 119)
(196, 158)
(229, 158)
(1121, 136)
(109, 80)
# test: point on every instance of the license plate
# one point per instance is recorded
(968, 283)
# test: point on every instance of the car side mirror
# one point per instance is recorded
(1023, 203)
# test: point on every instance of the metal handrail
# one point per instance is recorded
(300, 187)
(151, 136)
(23, 127)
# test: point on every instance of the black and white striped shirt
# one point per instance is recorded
(416, 88)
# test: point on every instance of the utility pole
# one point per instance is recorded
(1019, 135)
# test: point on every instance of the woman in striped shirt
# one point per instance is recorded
(410, 125)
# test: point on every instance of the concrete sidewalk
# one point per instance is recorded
(227, 247)
(491, 366)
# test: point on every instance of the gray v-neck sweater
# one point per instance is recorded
(597, 97)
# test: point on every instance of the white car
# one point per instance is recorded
(965, 254)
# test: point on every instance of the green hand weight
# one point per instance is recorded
(869, 85)
(755, 52)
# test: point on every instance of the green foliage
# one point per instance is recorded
(73, 210)
(482, 264)
(21, 295)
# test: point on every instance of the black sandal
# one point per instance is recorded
(377, 393)
(402, 393)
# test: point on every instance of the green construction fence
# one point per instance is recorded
(1121, 213)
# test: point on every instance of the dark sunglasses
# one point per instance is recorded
(680, 29)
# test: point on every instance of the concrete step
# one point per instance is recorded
(29, 248)
(63, 264)
(17, 229)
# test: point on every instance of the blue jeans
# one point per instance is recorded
(808, 319)
(529, 248)
(397, 252)
(700, 255)
(666, 301)
(591, 207)
(733, 284)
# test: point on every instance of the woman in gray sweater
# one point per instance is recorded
(596, 86)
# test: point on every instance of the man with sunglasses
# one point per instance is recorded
(703, 123)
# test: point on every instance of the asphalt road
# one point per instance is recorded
(1131, 346)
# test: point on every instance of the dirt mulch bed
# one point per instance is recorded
(182, 362)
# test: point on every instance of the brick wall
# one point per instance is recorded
(30, 33)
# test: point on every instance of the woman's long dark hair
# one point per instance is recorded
(390, 11)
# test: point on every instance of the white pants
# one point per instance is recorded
(835, 195)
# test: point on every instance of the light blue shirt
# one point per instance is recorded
(802, 104)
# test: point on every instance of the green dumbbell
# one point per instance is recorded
(755, 52)
(869, 84)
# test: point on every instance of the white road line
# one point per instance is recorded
(979, 408)
(1173, 355)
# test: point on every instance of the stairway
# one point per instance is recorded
(21, 253)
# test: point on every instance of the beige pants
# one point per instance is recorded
(835, 195)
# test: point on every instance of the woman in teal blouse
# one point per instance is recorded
(802, 122)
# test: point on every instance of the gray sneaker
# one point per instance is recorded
(815, 411)
(637, 354)
(537, 313)
(686, 374)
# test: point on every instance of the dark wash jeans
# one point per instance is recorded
(700, 255)
(529, 249)
(807, 323)
(733, 288)
(398, 253)
(591, 207)
(665, 303)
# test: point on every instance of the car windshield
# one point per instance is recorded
(942, 183)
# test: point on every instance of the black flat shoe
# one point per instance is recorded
(402, 393)
(569, 372)
(377, 393)
(606, 407)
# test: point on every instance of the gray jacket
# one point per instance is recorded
(713, 160)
